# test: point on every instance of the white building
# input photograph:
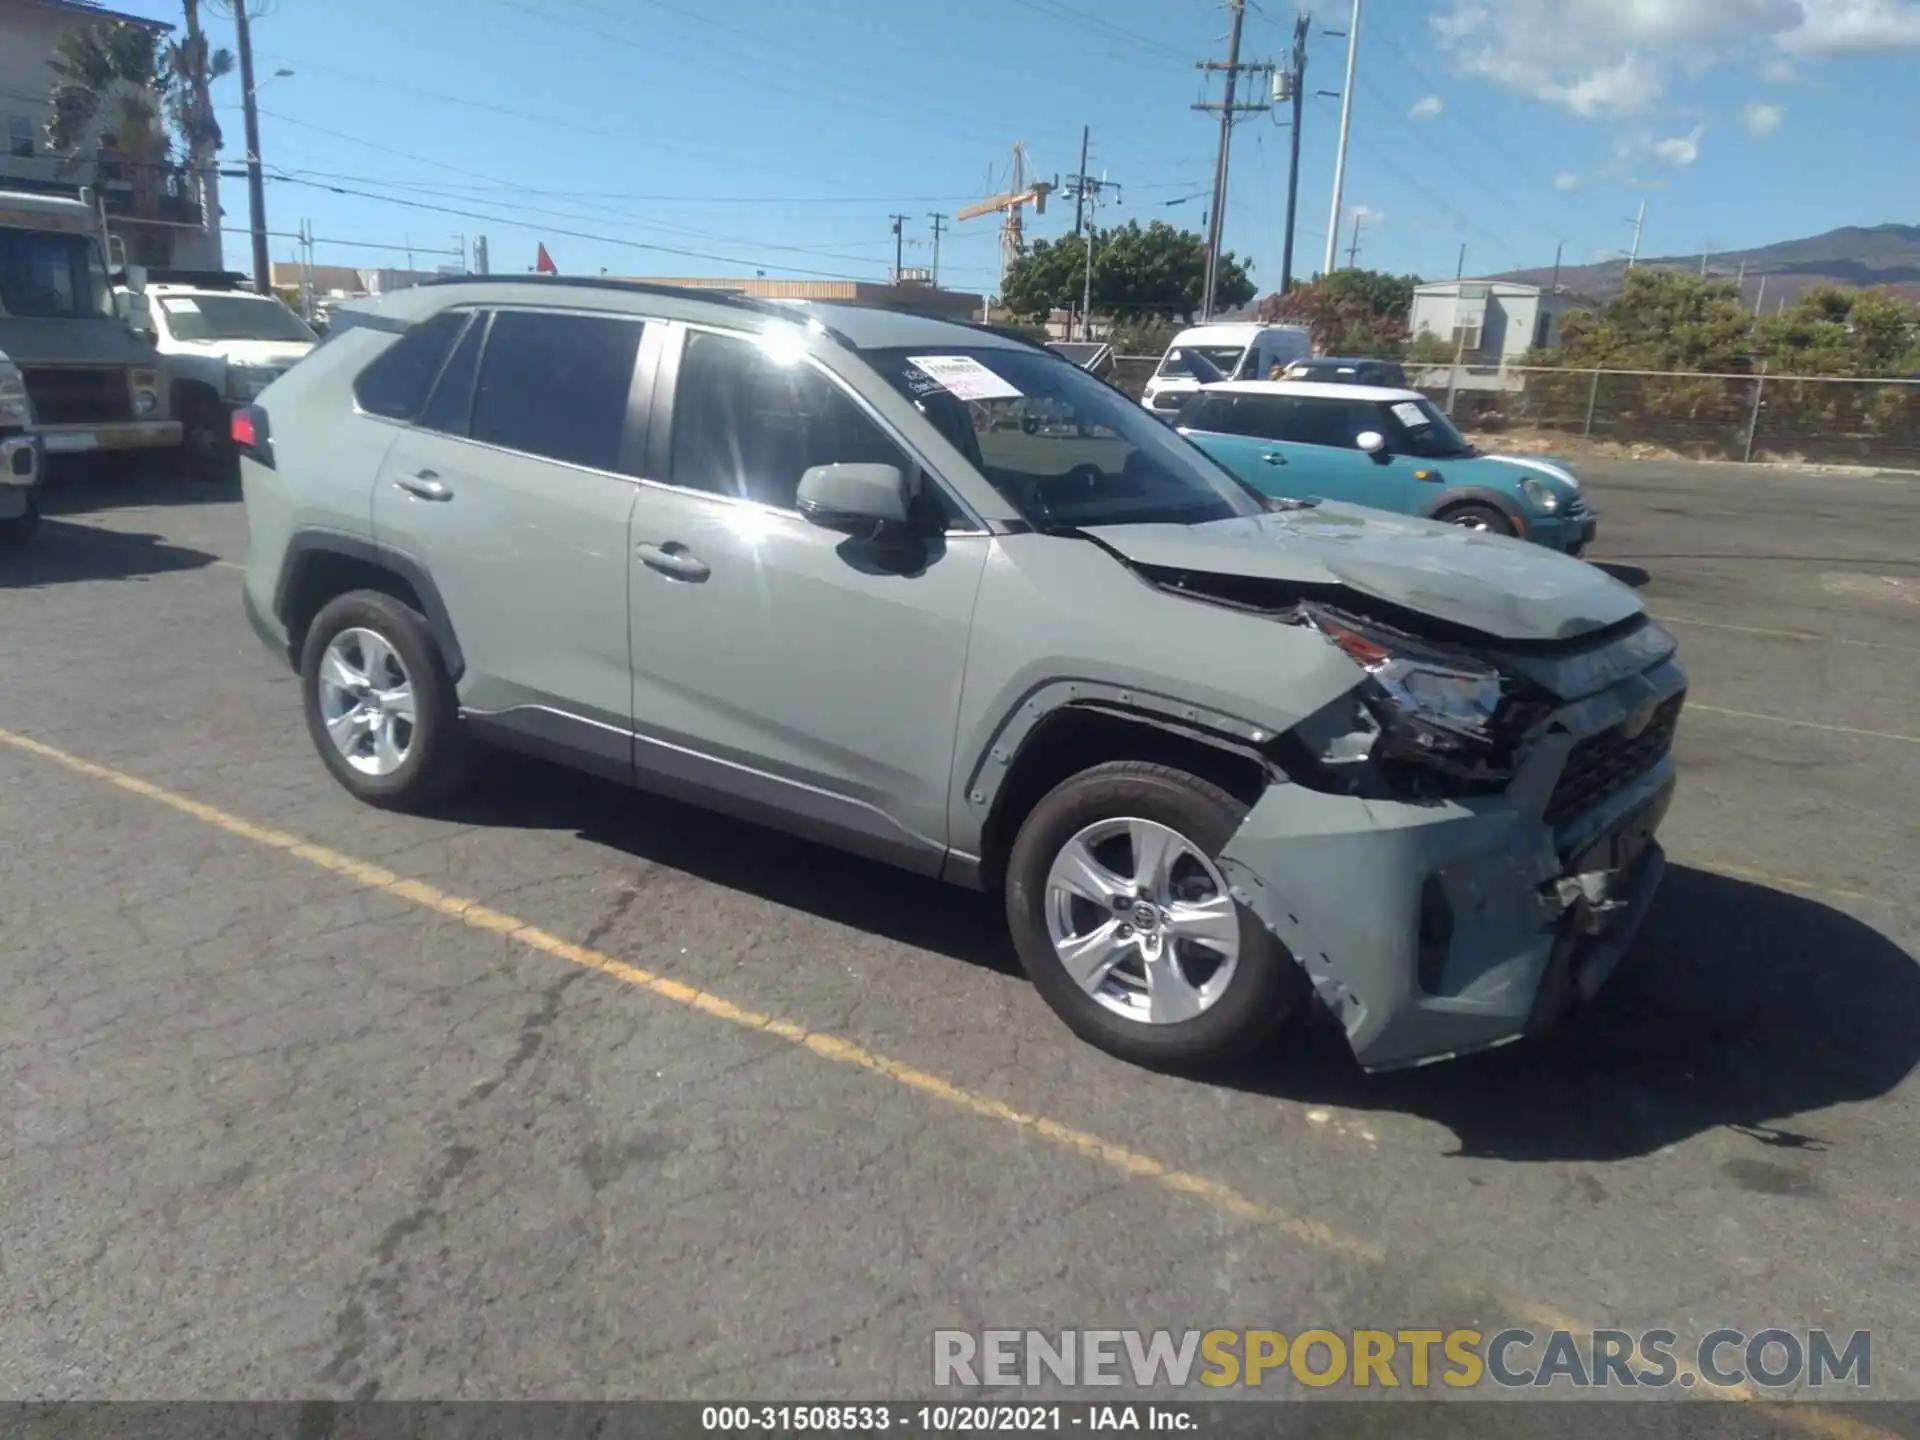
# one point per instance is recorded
(29, 30)
(1495, 322)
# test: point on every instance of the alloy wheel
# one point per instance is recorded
(367, 702)
(1142, 920)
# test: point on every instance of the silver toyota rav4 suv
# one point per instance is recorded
(806, 564)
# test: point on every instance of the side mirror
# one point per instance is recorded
(856, 498)
(1371, 441)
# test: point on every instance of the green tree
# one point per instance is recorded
(1137, 272)
(1661, 320)
(1830, 331)
(1350, 312)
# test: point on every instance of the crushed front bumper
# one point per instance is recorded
(1433, 930)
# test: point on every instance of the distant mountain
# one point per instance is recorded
(1854, 255)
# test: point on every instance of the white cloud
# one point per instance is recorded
(1778, 70)
(1427, 108)
(1567, 182)
(1855, 27)
(1609, 58)
(1760, 120)
(1369, 218)
(1679, 149)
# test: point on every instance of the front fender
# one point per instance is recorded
(1461, 494)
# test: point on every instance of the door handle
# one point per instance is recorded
(672, 559)
(1273, 457)
(425, 484)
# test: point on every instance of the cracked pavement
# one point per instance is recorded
(272, 1134)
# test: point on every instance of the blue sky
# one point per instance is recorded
(779, 135)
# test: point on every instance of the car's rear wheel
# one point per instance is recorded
(379, 706)
(1122, 917)
(1476, 516)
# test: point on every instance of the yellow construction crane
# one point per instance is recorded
(1020, 193)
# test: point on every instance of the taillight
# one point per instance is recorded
(251, 437)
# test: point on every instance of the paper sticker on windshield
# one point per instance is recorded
(965, 377)
(1410, 415)
(180, 305)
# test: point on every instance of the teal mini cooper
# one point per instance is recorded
(1385, 448)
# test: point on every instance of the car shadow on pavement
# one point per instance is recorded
(1740, 1008)
(164, 483)
(1626, 574)
(798, 874)
(66, 554)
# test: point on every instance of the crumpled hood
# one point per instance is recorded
(1503, 588)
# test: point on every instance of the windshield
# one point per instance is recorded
(233, 317)
(1427, 432)
(1225, 358)
(1063, 448)
(43, 273)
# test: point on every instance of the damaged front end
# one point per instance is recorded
(1466, 848)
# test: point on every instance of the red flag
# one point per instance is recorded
(544, 265)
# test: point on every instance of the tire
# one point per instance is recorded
(206, 450)
(432, 751)
(17, 531)
(1476, 515)
(1261, 989)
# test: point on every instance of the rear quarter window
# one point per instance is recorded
(396, 385)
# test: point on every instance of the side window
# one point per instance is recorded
(396, 384)
(556, 385)
(1266, 417)
(748, 426)
(1206, 412)
(450, 407)
(1337, 423)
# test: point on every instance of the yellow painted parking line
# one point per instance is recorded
(1124, 1159)
(1693, 705)
(1666, 619)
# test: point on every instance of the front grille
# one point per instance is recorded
(78, 394)
(1602, 765)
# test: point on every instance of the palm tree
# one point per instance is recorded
(121, 96)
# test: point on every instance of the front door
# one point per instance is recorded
(785, 671)
(1320, 436)
(509, 489)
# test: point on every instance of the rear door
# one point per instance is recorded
(1237, 429)
(513, 490)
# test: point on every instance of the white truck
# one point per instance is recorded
(20, 473)
(223, 344)
(92, 385)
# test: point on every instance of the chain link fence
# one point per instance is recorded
(1792, 418)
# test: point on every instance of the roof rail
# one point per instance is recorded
(204, 279)
(1004, 332)
(782, 310)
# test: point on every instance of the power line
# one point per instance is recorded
(1081, 19)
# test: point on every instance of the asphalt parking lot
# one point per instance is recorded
(741, 1117)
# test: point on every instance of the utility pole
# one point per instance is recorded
(939, 224)
(1703, 263)
(1639, 227)
(1761, 298)
(1296, 84)
(1346, 126)
(256, 185)
(1558, 251)
(1086, 211)
(899, 244)
(1217, 220)
(1460, 266)
(480, 255)
(1353, 250)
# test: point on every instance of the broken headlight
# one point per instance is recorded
(1421, 703)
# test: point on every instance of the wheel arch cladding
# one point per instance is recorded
(321, 565)
(1057, 735)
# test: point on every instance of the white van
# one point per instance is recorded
(1241, 352)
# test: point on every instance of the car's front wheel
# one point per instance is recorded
(1124, 921)
(1477, 516)
(378, 702)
